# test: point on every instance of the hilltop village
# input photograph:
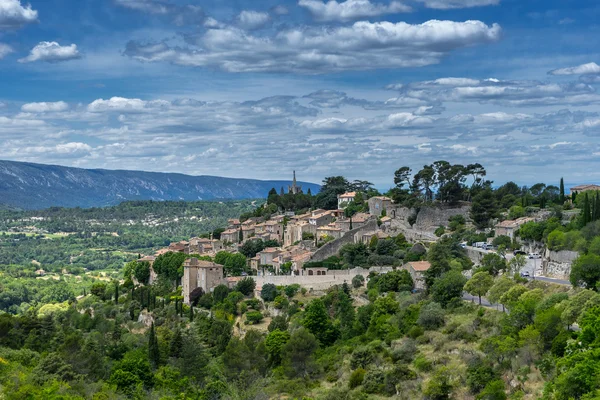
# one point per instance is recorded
(295, 247)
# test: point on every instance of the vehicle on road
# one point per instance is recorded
(519, 252)
(479, 245)
(487, 246)
(525, 274)
(463, 245)
(534, 256)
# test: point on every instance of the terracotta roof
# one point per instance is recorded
(381, 198)
(347, 195)
(585, 187)
(194, 262)
(385, 219)
(514, 223)
(420, 266)
(229, 232)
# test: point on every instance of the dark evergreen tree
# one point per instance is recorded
(573, 197)
(586, 210)
(153, 350)
(562, 191)
(309, 192)
(176, 343)
(191, 313)
(116, 292)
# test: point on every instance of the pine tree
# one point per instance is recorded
(562, 191)
(153, 350)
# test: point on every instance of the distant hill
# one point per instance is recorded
(34, 186)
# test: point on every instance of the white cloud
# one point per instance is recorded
(350, 9)
(451, 4)
(45, 107)
(584, 69)
(121, 104)
(14, 15)
(52, 52)
(253, 19)
(5, 50)
(280, 10)
(180, 14)
(311, 50)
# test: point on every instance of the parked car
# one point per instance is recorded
(463, 245)
(525, 274)
(487, 246)
(534, 256)
(479, 245)
(519, 252)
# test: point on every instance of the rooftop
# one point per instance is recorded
(347, 195)
(420, 266)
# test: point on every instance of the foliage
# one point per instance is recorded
(268, 292)
(246, 286)
(448, 288)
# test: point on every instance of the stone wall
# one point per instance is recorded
(557, 264)
(476, 255)
(332, 248)
(428, 219)
(319, 282)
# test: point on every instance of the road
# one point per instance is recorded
(533, 267)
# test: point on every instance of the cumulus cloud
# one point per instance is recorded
(584, 69)
(180, 14)
(121, 104)
(253, 19)
(312, 50)
(5, 50)
(350, 9)
(280, 10)
(52, 52)
(13, 15)
(451, 4)
(45, 107)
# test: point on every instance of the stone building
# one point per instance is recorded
(345, 199)
(231, 236)
(417, 271)
(321, 219)
(294, 188)
(378, 204)
(200, 274)
(584, 188)
(509, 227)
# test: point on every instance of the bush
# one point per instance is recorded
(278, 322)
(422, 364)
(431, 316)
(254, 317)
(440, 231)
(291, 290)
(406, 352)
(374, 381)
(362, 357)
(415, 332)
(479, 374)
(268, 292)
(358, 281)
(246, 286)
(356, 378)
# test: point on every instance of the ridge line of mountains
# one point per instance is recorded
(31, 186)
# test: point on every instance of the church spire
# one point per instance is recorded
(294, 183)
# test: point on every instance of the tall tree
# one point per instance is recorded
(153, 350)
(479, 284)
(562, 191)
(586, 210)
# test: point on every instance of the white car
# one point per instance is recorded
(534, 256)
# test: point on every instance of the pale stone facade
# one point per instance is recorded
(198, 273)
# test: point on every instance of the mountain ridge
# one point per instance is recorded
(26, 185)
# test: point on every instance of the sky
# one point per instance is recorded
(257, 89)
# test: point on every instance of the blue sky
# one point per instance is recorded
(258, 89)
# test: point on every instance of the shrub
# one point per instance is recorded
(278, 322)
(291, 290)
(358, 281)
(254, 317)
(415, 332)
(431, 316)
(479, 374)
(374, 381)
(356, 378)
(280, 302)
(362, 357)
(440, 231)
(246, 286)
(406, 352)
(422, 364)
(268, 292)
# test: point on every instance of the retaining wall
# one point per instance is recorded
(332, 248)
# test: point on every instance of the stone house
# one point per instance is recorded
(329, 230)
(386, 222)
(275, 229)
(356, 221)
(233, 223)
(366, 237)
(315, 271)
(198, 273)
(417, 270)
(509, 227)
(295, 230)
(231, 236)
(321, 219)
(247, 232)
(584, 188)
(179, 247)
(267, 255)
(345, 199)
(378, 204)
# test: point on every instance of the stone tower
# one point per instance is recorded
(294, 188)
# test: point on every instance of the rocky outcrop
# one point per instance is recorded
(557, 264)
(420, 224)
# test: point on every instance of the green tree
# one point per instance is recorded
(317, 321)
(220, 293)
(448, 287)
(298, 354)
(275, 342)
(246, 286)
(492, 263)
(268, 292)
(153, 349)
(479, 284)
(585, 271)
(141, 272)
(440, 386)
(562, 191)
(98, 289)
(484, 208)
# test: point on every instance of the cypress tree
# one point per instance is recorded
(191, 313)
(586, 209)
(573, 197)
(176, 344)
(116, 292)
(153, 350)
(562, 191)
(597, 206)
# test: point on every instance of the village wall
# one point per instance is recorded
(332, 248)
(319, 282)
